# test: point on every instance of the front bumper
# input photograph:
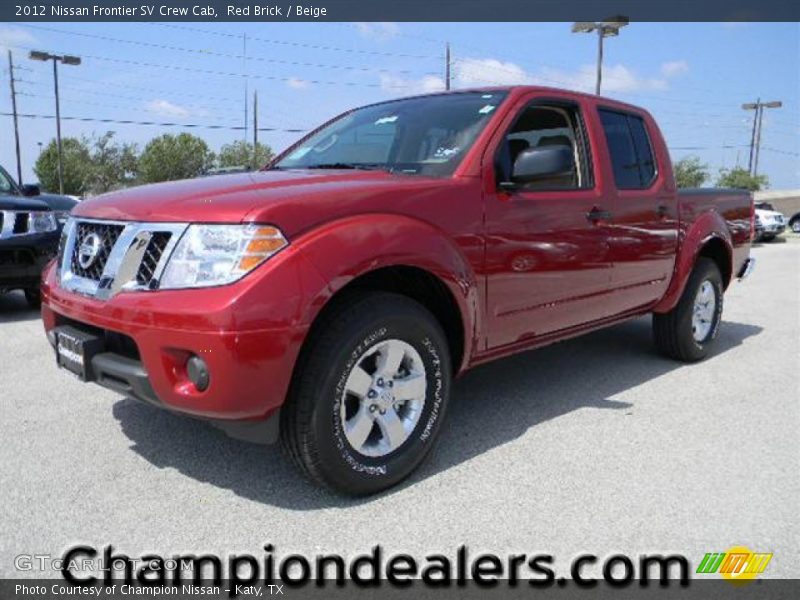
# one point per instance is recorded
(248, 337)
(747, 268)
(23, 259)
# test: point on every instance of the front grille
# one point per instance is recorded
(108, 234)
(21, 222)
(152, 256)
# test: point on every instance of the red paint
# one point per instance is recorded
(524, 268)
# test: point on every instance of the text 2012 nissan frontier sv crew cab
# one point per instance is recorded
(330, 298)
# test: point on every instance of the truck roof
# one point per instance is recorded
(516, 90)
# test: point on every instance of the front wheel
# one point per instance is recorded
(370, 394)
(796, 226)
(686, 332)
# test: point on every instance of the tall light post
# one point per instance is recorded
(755, 140)
(67, 60)
(608, 28)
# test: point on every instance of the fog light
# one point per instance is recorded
(197, 370)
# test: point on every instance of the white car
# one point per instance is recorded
(769, 222)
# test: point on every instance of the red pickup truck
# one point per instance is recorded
(330, 298)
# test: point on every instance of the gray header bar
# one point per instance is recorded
(397, 10)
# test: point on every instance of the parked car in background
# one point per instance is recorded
(769, 222)
(330, 298)
(30, 226)
(794, 223)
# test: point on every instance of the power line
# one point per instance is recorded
(155, 123)
(235, 74)
(299, 44)
(220, 54)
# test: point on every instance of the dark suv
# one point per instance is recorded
(30, 226)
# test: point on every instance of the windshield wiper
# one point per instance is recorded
(343, 165)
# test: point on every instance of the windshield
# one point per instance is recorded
(7, 185)
(420, 136)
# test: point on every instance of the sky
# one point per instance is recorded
(693, 77)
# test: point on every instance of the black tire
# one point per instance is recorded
(311, 429)
(673, 333)
(33, 297)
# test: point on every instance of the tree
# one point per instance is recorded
(690, 172)
(741, 179)
(240, 154)
(76, 164)
(169, 157)
(113, 165)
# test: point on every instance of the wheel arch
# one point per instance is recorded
(707, 237)
(398, 254)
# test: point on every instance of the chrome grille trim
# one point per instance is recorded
(118, 274)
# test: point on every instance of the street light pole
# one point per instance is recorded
(600, 37)
(58, 131)
(67, 60)
(609, 27)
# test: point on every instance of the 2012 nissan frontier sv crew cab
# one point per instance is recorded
(329, 299)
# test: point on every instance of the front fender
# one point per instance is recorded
(347, 248)
(708, 226)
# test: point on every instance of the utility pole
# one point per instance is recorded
(447, 66)
(608, 28)
(246, 81)
(255, 129)
(755, 139)
(67, 60)
(14, 110)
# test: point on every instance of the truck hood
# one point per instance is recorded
(10, 202)
(291, 199)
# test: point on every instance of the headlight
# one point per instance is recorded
(209, 255)
(42, 222)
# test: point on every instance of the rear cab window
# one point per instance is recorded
(629, 148)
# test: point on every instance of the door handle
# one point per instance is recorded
(662, 211)
(598, 214)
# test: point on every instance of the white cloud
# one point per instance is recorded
(489, 71)
(616, 78)
(399, 86)
(674, 68)
(297, 84)
(380, 31)
(166, 108)
(14, 36)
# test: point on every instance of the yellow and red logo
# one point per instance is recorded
(738, 564)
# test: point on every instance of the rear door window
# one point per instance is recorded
(630, 150)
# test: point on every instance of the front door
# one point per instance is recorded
(547, 253)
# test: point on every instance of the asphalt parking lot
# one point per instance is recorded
(593, 445)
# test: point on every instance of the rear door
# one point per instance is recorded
(643, 234)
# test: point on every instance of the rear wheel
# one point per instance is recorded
(369, 395)
(687, 332)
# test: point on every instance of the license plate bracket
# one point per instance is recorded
(75, 349)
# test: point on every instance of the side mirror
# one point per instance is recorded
(546, 162)
(30, 189)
